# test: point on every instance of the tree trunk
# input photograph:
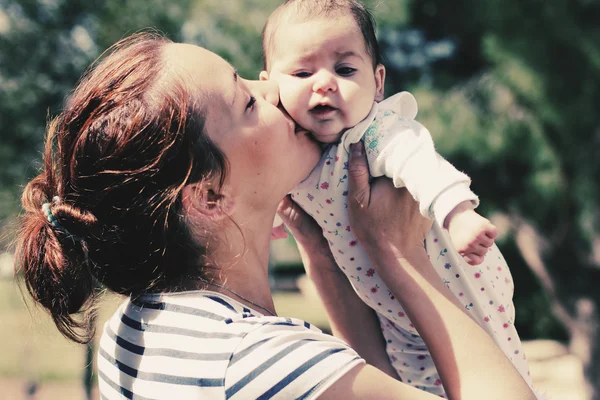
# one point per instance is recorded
(582, 322)
(88, 374)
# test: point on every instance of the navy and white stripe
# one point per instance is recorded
(205, 345)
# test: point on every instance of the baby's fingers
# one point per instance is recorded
(278, 232)
(479, 250)
(475, 254)
(473, 259)
(491, 231)
(485, 240)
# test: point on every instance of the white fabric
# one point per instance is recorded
(485, 290)
(399, 147)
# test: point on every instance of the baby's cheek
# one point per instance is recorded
(291, 104)
(294, 98)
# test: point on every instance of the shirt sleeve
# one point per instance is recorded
(402, 149)
(287, 359)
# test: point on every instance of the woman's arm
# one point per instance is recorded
(350, 318)
(469, 362)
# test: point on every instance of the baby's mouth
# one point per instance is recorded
(322, 109)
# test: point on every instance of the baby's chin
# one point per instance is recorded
(328, 132)
(333, 138)
(325, 136)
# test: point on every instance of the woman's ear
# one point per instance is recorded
(202, 200)
(263, 76)
(379, 82)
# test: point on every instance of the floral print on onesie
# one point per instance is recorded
(485, 290)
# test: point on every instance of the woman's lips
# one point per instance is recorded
(323, 111)
(299, 130)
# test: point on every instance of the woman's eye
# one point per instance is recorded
(346, 71)
(302, 74)
(251, 102)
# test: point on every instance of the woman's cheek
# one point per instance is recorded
(266, 149)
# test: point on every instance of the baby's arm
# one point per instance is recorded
(403, 150)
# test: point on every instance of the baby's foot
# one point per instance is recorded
(471, 234)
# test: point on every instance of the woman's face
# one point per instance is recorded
(266, 156)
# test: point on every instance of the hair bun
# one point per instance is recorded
(55, 267)
(72, 220)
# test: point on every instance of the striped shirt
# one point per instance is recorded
(204, 345)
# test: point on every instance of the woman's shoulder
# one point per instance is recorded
(192, 310)
(229, 347)
(288, 357)
(200, 314)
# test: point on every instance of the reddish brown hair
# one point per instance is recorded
(130, 138)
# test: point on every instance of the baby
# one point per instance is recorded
(325, 57)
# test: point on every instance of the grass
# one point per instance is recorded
(30, 344)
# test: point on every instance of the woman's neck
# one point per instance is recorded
(242, 259)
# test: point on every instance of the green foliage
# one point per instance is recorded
(44, 48)
(524, 123)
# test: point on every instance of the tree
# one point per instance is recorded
(44, 48)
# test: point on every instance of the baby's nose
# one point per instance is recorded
(324, 81)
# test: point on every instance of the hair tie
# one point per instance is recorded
(48, 212)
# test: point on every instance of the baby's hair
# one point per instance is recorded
(116, 160)
(307, 10)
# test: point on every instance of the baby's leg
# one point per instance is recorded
(485, 291)
(410, 357)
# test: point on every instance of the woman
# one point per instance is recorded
(163, 169)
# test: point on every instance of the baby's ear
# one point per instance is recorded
(263, 76)
(379, 82)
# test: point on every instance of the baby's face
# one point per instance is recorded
(325, 75)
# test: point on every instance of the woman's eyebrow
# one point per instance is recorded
(235, 88)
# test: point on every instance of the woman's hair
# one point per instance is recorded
(131, 136)
(308, 10)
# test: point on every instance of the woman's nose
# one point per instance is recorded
(267, 90)
(324, 82)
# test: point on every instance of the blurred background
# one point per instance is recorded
(510, 90)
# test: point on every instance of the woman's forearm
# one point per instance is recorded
(468, 360)
(350, 318)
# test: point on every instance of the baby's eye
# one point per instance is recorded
(302, 74)
(251, 102)
(346, 71)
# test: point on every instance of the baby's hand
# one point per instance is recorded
(471, 234)
(278, 231)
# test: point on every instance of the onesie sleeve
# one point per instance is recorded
(402, 149)
(288, 358)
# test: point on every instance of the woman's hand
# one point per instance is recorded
(381, 216)
(388, 224)
(308, 234)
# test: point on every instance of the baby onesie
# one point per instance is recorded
(402, 149)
